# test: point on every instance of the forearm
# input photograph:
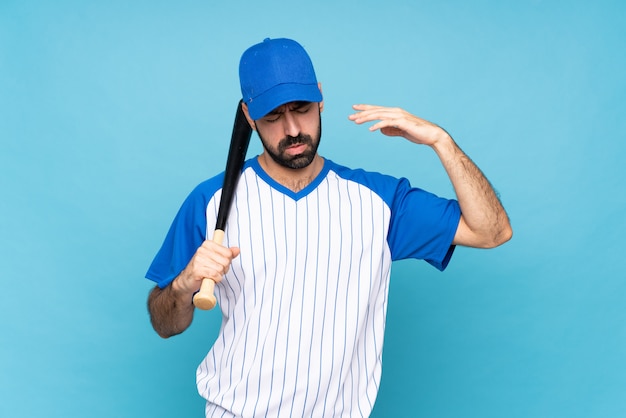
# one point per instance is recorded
(171, 310)
(482, 212)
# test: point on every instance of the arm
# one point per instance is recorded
(484, 223)
(171, 308)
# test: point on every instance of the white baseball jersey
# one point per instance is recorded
(304, 304)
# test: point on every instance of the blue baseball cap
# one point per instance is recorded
(275, 72)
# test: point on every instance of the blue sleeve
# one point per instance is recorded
(186, 234)
(422, 225)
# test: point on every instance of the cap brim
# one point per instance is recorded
(281, 94)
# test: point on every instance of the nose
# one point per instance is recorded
(290, 124)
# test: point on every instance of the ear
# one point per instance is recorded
(319, 86)
(244, 107)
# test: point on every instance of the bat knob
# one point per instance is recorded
(205, 299)
(204, 302)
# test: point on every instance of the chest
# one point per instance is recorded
(337, 218)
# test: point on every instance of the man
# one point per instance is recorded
(303, 275)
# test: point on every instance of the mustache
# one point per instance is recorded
(289, 141)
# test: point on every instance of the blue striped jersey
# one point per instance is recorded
(304, 304)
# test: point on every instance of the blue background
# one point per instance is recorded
(112, 111)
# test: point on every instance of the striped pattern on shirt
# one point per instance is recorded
(304, 304)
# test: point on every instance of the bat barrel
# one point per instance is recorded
(205, 298)
(236, 156)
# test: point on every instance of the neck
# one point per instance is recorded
(293, 179)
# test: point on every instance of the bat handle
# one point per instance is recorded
(205, 299)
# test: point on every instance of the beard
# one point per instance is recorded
(294, 161)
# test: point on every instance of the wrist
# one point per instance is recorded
(444, 144)
(179, 289)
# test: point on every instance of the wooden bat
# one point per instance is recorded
(205, 299)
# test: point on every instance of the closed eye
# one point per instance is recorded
(271, 118)
(297, 107)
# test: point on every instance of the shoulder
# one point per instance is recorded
(356, 174)
(205, 190)
(383, 185)
(201, 194)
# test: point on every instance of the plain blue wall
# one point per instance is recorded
(111, 111)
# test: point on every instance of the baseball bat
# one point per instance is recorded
(204, 298)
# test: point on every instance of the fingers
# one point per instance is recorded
(394, 121)
(370, 113)
(392, 117)
(391, 121)
(211, 261)
(214, 259)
